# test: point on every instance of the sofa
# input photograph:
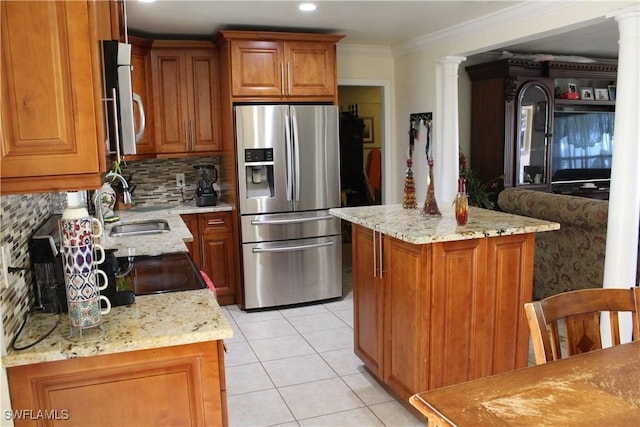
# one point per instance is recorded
(569, 258)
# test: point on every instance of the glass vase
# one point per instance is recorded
(430, 204)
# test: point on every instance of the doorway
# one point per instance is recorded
(361, 141)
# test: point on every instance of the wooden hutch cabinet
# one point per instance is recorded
(186, 97)
(515, 105)
(51, 136)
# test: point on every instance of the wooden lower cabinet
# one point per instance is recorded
(441, 313)
(169, 386)
(214, 250)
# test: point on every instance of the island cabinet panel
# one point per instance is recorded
(452, 311)
(367, 298)
(406, 276)
(185, 385)
(186, 99)
(51, 136)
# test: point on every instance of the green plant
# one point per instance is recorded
(477, 191)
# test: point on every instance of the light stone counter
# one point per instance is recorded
(161, 243)
(410, 226)
(154, 321)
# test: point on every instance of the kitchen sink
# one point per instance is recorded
(151, 226)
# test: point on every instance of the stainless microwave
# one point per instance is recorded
(120, 98)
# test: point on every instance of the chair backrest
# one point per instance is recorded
(577, 314)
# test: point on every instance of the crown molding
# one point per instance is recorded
(525, 11)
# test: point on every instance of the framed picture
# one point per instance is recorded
(367, 132)
(586, 93)
(572, 88)
(601, 94)
(612, 92)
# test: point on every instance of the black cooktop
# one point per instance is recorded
(159, 273)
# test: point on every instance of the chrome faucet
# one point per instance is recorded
(126, 195)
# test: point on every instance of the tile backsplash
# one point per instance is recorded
(21, 215)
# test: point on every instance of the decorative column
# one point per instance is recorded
(621, 254)
(445, 130)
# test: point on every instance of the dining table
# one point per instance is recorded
(601, 387)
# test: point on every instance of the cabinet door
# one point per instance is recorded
(407, 277)
(257, 68)
(191, 221)
(51, 113)
(203, 101)
(168, 67)
(141, 83)
(367, 299)
(218, 251)
(311, 68)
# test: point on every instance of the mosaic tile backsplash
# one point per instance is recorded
(21, 215)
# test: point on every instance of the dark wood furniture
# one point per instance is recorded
(513, 142)
(577, 314)
(596, 388)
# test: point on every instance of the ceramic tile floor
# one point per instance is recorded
(296, 367)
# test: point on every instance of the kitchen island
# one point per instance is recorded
(436, 303)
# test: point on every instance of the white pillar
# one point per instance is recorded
(621, 253)
(445, 130)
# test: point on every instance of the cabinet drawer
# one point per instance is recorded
(215, 222)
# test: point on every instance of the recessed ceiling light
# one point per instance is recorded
(307, 7)
(146, 1)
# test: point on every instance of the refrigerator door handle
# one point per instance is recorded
(291, 221)
(292, 248)
(296, 153)
(289, 150)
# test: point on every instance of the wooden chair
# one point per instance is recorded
(580, 312)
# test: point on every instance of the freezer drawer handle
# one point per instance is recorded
(290, 221)
(292, 248)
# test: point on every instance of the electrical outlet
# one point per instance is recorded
(6, 262)
(180, 180)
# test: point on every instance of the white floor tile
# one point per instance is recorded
(361, 417)
(343, 361)
(262, 408)
(346, 316)
(367, 388)
(330, 339)
(266, 329)
(298, 370)
(240, 316)
(316, 322)
(343, 304)
(246, 378)
(281, 347)
(319, 398)
(239, 353)
(237, 334)
(302, 311)
(395, 414)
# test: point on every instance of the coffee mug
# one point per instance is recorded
(85, 286)
(87, 314)
(80, 259)
(79, 231)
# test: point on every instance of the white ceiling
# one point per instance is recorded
(372, 23)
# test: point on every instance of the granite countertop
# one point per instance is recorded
(158, 320)
(410, 226)
(156, 244)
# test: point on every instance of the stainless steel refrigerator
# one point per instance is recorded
(289, 177)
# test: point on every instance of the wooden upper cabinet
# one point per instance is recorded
(280, 66)
(51, 111)
(186, 99)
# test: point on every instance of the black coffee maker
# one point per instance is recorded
(206, 176)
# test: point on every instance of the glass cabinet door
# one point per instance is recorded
(532, 135)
